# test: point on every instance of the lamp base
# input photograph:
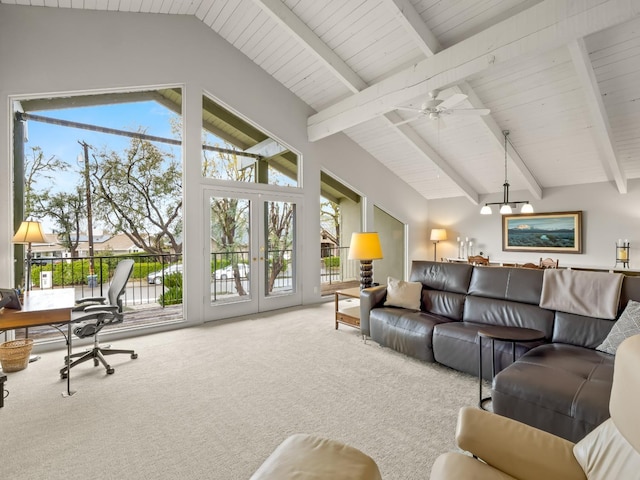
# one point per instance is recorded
(366, 274)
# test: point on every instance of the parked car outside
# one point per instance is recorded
(227, 272)
(156, 277)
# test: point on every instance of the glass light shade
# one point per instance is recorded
(526, 208)
(365, 246)
(486, 210)
(29, 232)
(438, 234)
(505, 209)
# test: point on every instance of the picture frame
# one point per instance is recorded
(555, 232)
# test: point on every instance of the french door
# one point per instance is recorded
(251, 245)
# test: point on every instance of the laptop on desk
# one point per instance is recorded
(9, 299)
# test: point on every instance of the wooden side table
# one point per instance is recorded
(348, 315)
(502, 334)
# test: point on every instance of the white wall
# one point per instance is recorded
(391, 232)
(48, 52)
(607, 216)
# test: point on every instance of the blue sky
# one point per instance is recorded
(63, 141)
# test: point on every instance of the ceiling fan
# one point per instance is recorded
(436, 107)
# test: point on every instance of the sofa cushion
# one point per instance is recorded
(403, 294)
(455, 344)
(605, 454)
(404, 331)
(505, 313)
(626, 326)
(450, 277)
(579, 330)
(562, 389)
(447, 304)
(516, 284)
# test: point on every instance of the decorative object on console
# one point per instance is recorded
(365, 246)
(478, 260)
(622, 252)
(29, 232)
(403, 294)
(548, 263)
(464, 247)
(626, 326)
(557, 232)
(506, 204)
(437, 234)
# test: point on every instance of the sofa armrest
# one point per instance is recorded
(370, 298)
(517, 449)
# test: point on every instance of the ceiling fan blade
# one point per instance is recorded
(452, 101)
(468, 111)
(410, 109)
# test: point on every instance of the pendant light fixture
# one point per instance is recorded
(506, 204)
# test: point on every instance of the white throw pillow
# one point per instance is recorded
(403, 294)
(626, 326)
(604, 454)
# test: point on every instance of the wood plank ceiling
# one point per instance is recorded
(562, 76)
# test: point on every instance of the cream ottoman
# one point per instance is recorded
(304, 456)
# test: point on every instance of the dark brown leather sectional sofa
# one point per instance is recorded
(561, 385)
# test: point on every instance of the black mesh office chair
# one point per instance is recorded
(92, 314)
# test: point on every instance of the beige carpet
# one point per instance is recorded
(214, 401)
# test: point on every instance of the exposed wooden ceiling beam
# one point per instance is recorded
(496, 134)
(296, 27)
(318, 48)
(422, 147)
(602, 128)
(545, 26)
(412, 21)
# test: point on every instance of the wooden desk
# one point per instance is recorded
(43, 307)
(40, 307)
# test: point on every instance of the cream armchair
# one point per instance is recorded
(505, 449)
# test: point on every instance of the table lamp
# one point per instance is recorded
(437, 234)
(365, 246)
(29, 232)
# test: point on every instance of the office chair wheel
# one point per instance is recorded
(134, 356)
(110, 371)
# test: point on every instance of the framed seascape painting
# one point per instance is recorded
(558, 232)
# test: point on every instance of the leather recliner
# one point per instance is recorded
(505, 449)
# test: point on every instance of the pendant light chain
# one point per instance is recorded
(506, 133)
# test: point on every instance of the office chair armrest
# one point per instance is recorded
(82, 303)
(100, 308)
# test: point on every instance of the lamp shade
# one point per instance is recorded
(29, 232)
(526, 208)
(505, 209)
(438, 234)
(365, 246)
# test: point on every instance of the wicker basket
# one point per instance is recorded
(14, 355)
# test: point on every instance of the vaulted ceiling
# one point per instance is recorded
(563, 77)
